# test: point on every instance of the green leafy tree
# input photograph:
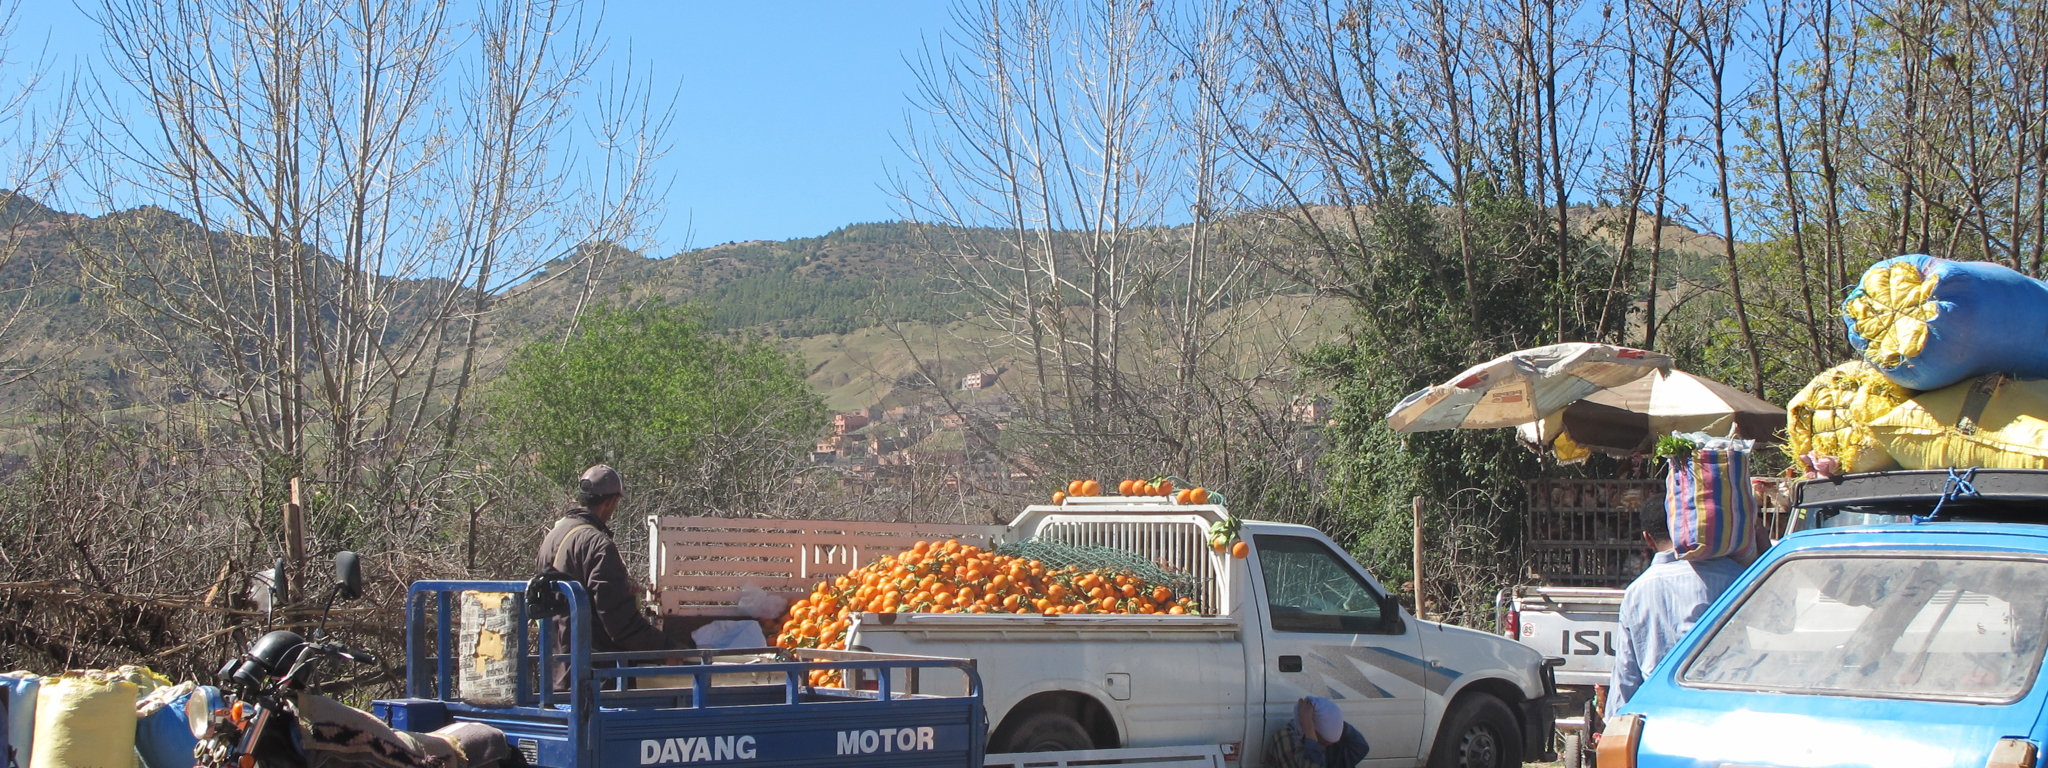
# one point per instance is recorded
(697, 422)
(1418, 326)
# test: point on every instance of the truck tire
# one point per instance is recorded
(1571, 754)
(1047, 732)
(1479, 732)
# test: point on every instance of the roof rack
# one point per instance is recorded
(1920, 485)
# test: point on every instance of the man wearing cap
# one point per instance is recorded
(1317, 737)
(580, 547)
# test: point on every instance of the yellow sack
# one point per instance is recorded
(1831, 416)
(85, 719)
(144, 678)
(1993, 421)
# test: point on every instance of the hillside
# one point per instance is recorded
(834, 283)
(856, 303)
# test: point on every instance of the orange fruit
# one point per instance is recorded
(1074, 488)
(1161, 594)
(1123, 488)
(1198, 496)
(1240, 549)
(1165, 487)
(1091, 488)
(1180, 496)
(1059, 497)
(1176, 610)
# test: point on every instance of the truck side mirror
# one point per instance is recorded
(348, 575)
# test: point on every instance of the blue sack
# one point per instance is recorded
(20, 689)
(164, 735)
(1926, 323)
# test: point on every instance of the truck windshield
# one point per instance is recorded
(1887, 625)
(1308, 589)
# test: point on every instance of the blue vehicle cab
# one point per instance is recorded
(1901, 626)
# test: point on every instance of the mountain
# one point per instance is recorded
(834, 283)
(829, 296)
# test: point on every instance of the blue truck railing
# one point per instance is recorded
(608, 717)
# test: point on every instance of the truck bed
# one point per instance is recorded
(997, 627)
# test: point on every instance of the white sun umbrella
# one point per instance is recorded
(1628, 418)
(1522, 387)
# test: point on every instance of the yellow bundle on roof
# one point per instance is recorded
(1831, 416)
(1993, 421)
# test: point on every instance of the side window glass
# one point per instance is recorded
(1310, 589)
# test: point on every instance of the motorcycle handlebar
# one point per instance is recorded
(351, 654)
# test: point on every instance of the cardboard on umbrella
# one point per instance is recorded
(1522, 387)
(1628, 418)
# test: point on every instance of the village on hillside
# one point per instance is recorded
(876, 448)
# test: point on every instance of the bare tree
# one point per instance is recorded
(36, 116)
(1710, 28)
(363, 181)
(1651, 66)
(1073, 185)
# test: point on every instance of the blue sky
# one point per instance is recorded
(786, 111)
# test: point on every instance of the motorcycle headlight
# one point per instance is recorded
(205, 709)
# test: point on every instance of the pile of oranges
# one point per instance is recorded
(1158, 486)
(951, 577)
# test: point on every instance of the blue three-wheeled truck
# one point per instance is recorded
(750, 707)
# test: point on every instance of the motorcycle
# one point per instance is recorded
(273, 719)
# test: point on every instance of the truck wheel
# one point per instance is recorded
(1571, 754)
(1479, 733)
(1048, 732)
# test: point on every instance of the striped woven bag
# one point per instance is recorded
(1708, 503)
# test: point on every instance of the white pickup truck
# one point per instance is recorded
(1576, 626)
(1297, 617)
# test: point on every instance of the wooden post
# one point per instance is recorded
(1419, 591)
(295, 527)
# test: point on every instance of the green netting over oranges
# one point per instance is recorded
(950, 577)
